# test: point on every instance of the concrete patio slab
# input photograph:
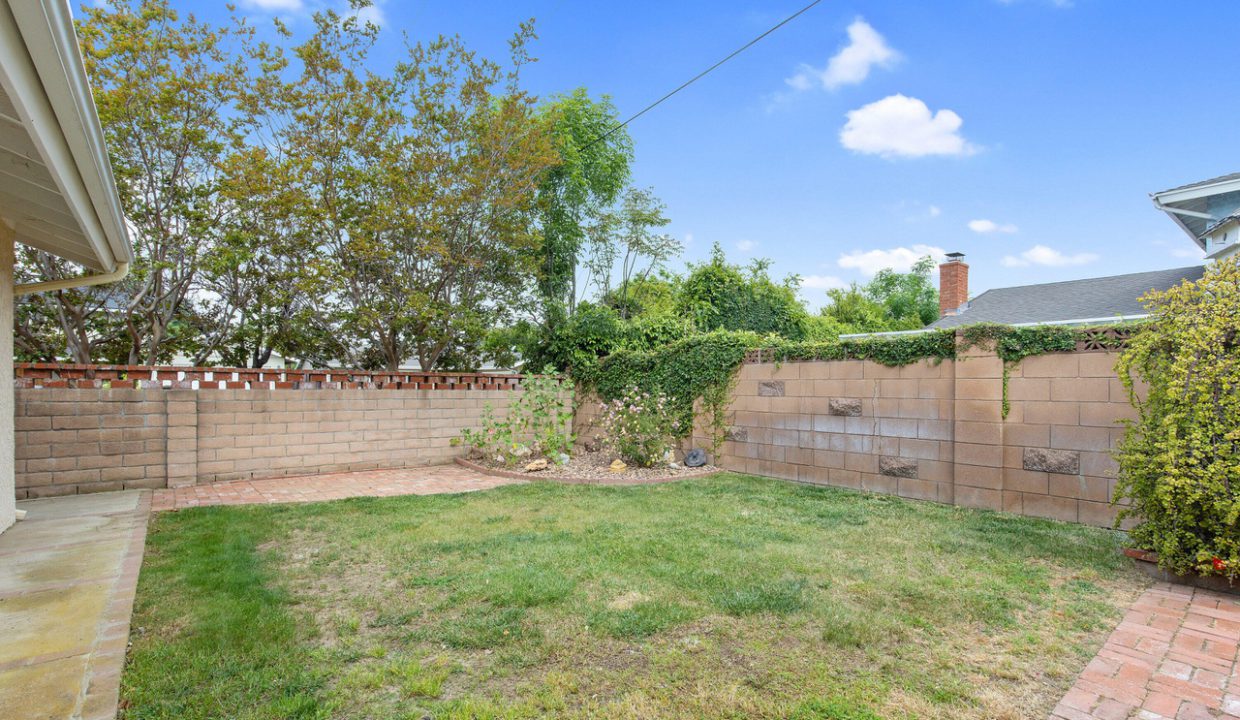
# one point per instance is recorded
(67, 578)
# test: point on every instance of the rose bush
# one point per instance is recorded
(640, 427)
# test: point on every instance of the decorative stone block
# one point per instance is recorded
(771, 388)
(1062, 462)
(737, 434)
(845, 407)
(897, 467)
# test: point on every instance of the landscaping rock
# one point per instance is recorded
(1062, 462)
(897, 467)
(537, 465)
(562, 459)
(617, 466)
(695, 458)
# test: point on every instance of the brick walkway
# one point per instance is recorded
(1173, 656)
(314, 488)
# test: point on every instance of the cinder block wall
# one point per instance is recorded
(90, 440)
(935, 431)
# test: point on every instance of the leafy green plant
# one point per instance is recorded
(640, 427)
(538, 423)
(1179, 462)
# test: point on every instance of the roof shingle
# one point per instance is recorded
(1071, 300)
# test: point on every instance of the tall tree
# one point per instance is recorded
(163, 86)
(594, 156)
(627, 235)
(420, 188)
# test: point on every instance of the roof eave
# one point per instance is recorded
(43, 74)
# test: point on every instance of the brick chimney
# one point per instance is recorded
(953, 284)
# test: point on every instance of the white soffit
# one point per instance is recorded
(56, 186)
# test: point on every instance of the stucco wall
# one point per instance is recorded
(934, 431)
(90, 440)
(7, 495)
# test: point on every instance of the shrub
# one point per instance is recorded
(640, 427)
(1178, 461)
(537, 424)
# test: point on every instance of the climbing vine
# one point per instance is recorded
(1013, 344)
(703, 367)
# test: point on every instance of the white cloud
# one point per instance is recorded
(746, 245)
(371, 14)
(852, 64)
(869, 262)
(821, 282)
(901, 126)
(985, 227)
(1048, 257)
(935, 211)
(273, 6)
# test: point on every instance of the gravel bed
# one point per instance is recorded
(595, 466)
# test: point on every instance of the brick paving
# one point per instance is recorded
(1172, 657)
(315, 488)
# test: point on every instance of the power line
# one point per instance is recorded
(706, 72)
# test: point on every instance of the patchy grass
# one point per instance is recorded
(726, 597)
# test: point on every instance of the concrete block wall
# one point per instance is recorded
(72, 441)
(934, 431)
(849, 423)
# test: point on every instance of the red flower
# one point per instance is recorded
(1219, 565)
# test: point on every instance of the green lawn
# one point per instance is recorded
(725, 597)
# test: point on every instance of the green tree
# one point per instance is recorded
(909, 298)
(1179, 462)
(419, 191)
(719, 295)
(890, 301)
(591, 170)
(626, 236)
(164, 87)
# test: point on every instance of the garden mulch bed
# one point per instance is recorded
(593, 469)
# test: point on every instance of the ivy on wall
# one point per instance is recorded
(703, 367)
(1013, 344)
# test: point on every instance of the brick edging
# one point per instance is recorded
(617, 482)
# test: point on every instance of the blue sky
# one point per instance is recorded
(1026, 134)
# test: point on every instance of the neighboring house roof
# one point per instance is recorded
(56, 186)
(1088, 299)
(1196, 206)
(1229, 177)
(1220, 223)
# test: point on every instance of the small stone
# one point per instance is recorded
(673, 466)
(695, 457)
(562, 459)
(539, 464)
(617, 466)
